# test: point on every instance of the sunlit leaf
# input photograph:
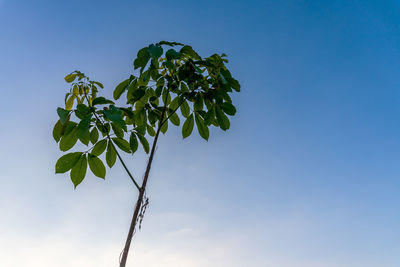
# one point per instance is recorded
(70, 102)
(185, 109)
(150, 131)
(122, 144)
(57, 131)
(99, 148)
(70, 78)
(96, 166)
(133, 142)
(69, 140)
(66, 162)
(111, 155)
(164, 127)
(144, 142)
(78, 172)
(94, 135)
(120, 89)
(174, 118)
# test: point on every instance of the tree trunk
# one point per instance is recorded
(141, 195)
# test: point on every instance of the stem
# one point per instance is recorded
(109, 139)
(172, 113)
(141, 194)
(123, 164)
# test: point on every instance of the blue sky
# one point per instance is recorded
(308, 174)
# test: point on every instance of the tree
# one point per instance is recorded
(166, 82)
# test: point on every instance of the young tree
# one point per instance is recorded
(178, 79)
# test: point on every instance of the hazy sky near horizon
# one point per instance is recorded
(307, 176)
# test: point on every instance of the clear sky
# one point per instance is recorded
(307, 176)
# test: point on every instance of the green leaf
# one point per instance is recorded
(111, 154)
(99, 84)
(143, 56)
(209, 117)
(174, 103)
(85, 138)
(57, 131)
(97, 166)
(131, 88)
(63, 114)
(70, 102)
(174, 118)
(228, 108)
(122, 144)
(169, 43)
(166, 97)
(137, 94)
(188, 50)
(160, 82)
(68, 127)
(144, 143)
(185, 109)
(223, 79)
(99, 147)
(94, 135)
(184, 88)
(103, 128)
(83, 127)
(82, 111)
(151, 131)
(234, 84)
(66, 162)
(155, 51)
(201, 127)
(78, 172)
(75, 90)
(140, 129)
(172, 54)
(198, 104)
(101, 101)
(69, 140)
(164, 127)
(168, 64)
(120, 89)
(222, 119)
(144, 78)
(117, 130)
(141, 118)
(187, 127)
(115, 115)
(133, 142)
(70, 78)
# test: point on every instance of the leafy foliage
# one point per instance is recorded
(173, 84)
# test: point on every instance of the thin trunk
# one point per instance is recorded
(141, 195)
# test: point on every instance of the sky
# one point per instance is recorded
(307, 176)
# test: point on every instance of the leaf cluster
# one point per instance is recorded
(173, 83)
